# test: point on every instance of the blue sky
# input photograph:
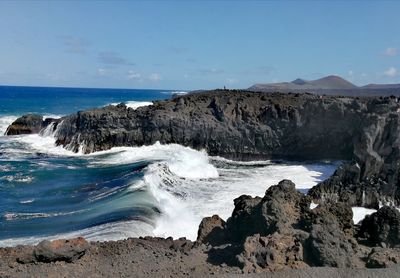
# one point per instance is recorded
(193, 45)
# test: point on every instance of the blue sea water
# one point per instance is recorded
(163, 190)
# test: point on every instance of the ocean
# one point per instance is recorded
(48, 192)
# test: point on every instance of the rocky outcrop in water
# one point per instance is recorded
(28, 124)
(247, 125)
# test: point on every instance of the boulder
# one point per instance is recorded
(281, 207)
(381, 228)
(271, 253)
(246, 218)
(330, 242)
(211, 231)
(27, 124)
(277, 211)
(67, 250)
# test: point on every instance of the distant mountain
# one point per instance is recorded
(332, 82)
(382, 86)
(329, 85)
(329, 82)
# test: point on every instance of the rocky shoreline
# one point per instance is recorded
(249, 126)
(276, 232)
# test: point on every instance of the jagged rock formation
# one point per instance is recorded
(382, 228)
(287, 235)
(280, 231)
(246, 125)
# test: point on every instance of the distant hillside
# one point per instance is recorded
(329, 85)
(381, 86)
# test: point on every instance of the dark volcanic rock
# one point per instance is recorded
(383, 257)
(29, 124)
(382, 226)
(280, 231)
(243, 125)
(276, 212)
(328, 244)
(247, 125)
(211, 231)
(271, 253)
(67, 250)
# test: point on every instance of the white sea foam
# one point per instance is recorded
(43, 144)
(182, 161)
(313, 205)
(188, 187)
(359, 213)
(186, 184)
(53, 116)
(27, 201)
(186, 202)
(134, 104)
(10, 216)
(109, 231)
(175, 93)
(5, 121)
(17, 178)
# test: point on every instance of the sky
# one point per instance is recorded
(196, 44)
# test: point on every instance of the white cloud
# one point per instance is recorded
(390, 51)
(210, 71)
(101, 72)
(134, 75)
(232, 80)
(390, 72)
(155, 77)
(351, 73)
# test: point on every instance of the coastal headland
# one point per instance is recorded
(276, 232)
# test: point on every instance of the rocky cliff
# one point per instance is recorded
(247, 125)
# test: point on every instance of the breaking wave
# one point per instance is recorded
(159, 190)
(134, 104)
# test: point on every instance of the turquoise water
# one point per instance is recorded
(164, 190)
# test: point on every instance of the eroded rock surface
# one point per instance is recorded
(247, 125)
(382, 227)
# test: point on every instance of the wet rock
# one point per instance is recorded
(382, 226)
(67, 250)
(27, 124)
